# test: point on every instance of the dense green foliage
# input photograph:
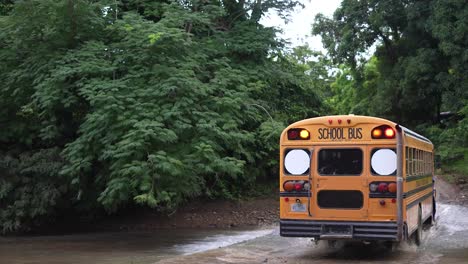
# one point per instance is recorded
(106, 104)
(110, 104)
(418, 70)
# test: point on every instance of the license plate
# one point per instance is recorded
(298, 207)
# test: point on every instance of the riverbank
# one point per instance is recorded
(452, 189)
(263, 211)
(221, 214)
(255, 212)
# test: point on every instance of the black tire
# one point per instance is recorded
(418, 232)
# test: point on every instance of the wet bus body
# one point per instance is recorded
(355, 178)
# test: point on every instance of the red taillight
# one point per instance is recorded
(383, 132)
(298, 186)
(383, 187)
(298, 134)
(382, 202)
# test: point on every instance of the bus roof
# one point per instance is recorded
(325, 120)
(414, 134)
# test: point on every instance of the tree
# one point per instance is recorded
(418, 68)
(149, 103)
(413, 68)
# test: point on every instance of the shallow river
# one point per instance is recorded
(446, 242)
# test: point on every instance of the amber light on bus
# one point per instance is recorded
(298, 134)
(383, 132)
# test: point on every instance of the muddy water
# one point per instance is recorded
(118, 248)
(446, 242)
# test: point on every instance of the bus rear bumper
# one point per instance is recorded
(339, 230)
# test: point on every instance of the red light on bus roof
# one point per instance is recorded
(330, 121)
(349, 121)
(339, 121)
(389, 133)
(293, 134)
(383, 132)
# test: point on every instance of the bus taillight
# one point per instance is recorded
(288, 186)
(383, 132)
(382, 187)
(296, 186)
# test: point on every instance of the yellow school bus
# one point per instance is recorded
(350, 177)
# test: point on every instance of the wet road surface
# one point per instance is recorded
(446, 242)
(118, 248)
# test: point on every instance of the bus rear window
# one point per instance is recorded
(340, 162)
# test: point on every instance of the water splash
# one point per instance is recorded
(218, 241)
(450, 230)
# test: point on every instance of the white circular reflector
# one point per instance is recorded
(297, 161)
(384, 161)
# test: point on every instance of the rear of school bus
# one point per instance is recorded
(338, 179)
